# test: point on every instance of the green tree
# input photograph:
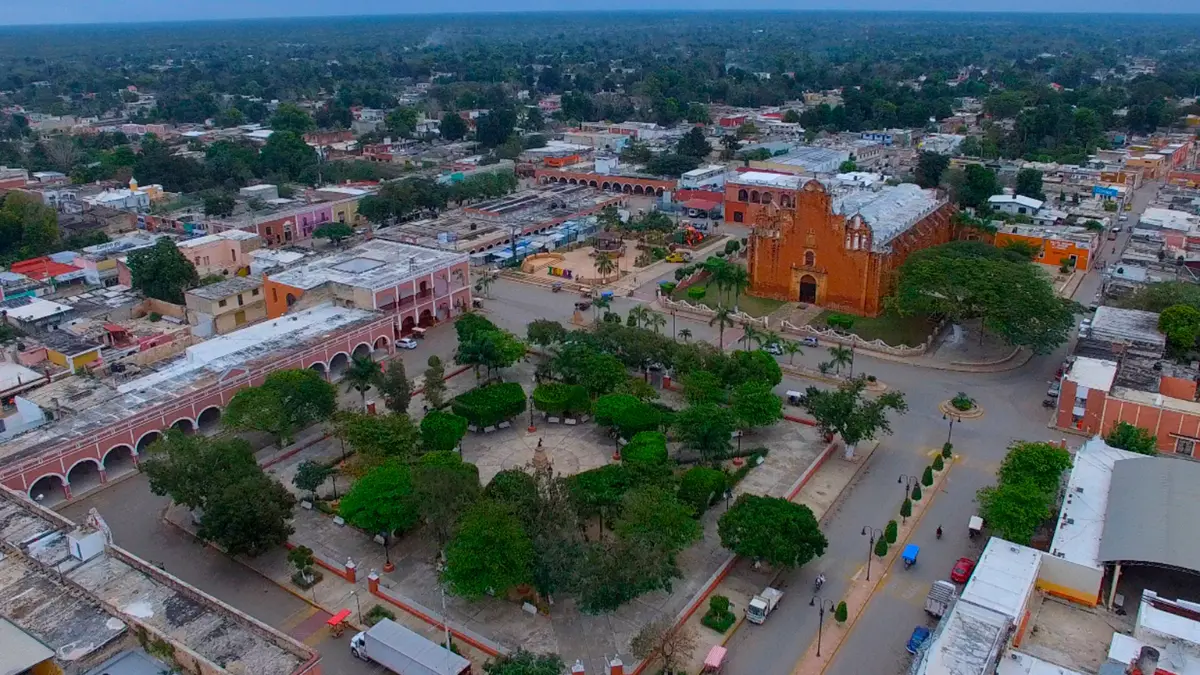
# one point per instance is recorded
(840, 356)
(311, 475)
(841, 613)
(604, 265)
(435, 382)
(700, 486)
(906, 507)
(653, 516)
(248, 515)
(755, 405)
(376, 438)
(495, 127)
(705, 428)
(492, 349)
(916, 493)
(927, 477)
(891, 532)
(382, 500)
(302, 559)
(28, 228)
(286, 156)
(1161, 296)
(881, 547)
(490, 552)
(1181, 325)
(161, 271)
(1014, 511)
(930, 167)
(192, 468)
(979, 183)
(722, 318)
(444, 486)
(702, 386)
(1029, 184)
(846, 412)
(848, 166)
(259, 409)
(452, 127)
(362, 374)
(694, 144)
(673, 165)
(218, 203)
(401, 121)
(334, 232)
(395, 388)
(1132, 438)
(289, 117)
(1041, 464)
(776, 531)
(544, 332)
(442, 431)
(517, 490)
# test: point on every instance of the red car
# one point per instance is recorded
(962, 570)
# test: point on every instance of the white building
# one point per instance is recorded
(711, 177)
(1015, 205)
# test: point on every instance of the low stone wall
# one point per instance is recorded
(830, 335)
(707, 312)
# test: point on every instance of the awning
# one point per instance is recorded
(701, 204)
(715, 656)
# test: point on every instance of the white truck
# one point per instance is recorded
(763, 604)
(404, 652)
(941, 594)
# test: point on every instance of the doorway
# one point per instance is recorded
(808, 288)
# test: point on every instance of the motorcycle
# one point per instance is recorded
(818, 582)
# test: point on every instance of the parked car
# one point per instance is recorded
(1054, 389)
(962, 570)
(809, 341)
(406, 343)
(919, 635)
(1117, 228)
(1123, 217)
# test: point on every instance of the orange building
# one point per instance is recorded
(1056, 246)
(832, 246)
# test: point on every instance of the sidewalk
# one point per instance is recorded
(859, 595)
(819, 490)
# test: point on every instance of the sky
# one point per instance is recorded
(16, 12)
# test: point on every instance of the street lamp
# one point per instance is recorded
(357, 603)
(823, 604)
(908, 480)
(950, 431)
(728, 496)
(387, 555)
(532, 428)
(875, 533)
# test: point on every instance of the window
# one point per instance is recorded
(269, 230)
(274, 295)
(254, 292)
(742, 195)
(221, 303)
(1185, 446)
(810, 258)
(738, 216)
(240, 301)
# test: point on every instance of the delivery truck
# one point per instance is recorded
(941, 594)
(763, 604)
(404, 652)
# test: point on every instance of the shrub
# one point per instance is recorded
(927, 477)
(906, 508)
(696, 292)
(718, 604)
(376, 614)
(916, 493)
(841, 613)
(556, 398)
(938, 464)
(646, 457)
(962, 401)
(947, 450)
(840, 321)
(891, 532)
(628, 414)
(701, 486)
(668, 288)
(154, 317)
(718, 617)
(490, 405)
(881, 547)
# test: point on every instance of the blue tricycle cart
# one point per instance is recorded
(909, 555)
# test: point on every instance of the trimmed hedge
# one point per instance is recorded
(701, 486)
(490, 405)
(556, 398)
(646, 447)
(628, 414)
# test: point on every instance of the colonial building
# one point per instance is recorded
(834, 247)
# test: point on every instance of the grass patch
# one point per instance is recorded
(315, 578)
(893, 329)
(756, 307)
(376, 614)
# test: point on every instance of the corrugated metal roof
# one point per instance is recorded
(1149, 516)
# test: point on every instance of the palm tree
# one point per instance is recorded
(654, 321)
(722, 319)
(718, 273)
(749, 334)
(485, 282)
(738, 279)
(599, 304)
(640, 314)
(791, 348)
(840, 356)
(767, 337)
(604, 265)
(685, 333)
(360, 375)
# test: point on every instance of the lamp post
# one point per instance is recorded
(875, 533)
(908, 481)
(532, 428)
(357, 603)
(728, 496)
(333, 478)
(950, 431)
(387, 555)
(823, 604)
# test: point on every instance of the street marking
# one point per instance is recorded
(298, 617)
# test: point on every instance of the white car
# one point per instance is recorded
(406, 343)
(1085, 325)
(773, 348)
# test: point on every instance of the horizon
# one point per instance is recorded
(228, 10)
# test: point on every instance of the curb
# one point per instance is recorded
(935, 488)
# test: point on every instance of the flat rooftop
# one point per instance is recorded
(1003, 577)
(225, 235)
(373, 264)
(199, 366)
(112, 590)
(224, 289)
(1114, 324)
(1085, 505)
(966, 641)
(1018, 663)
(1093, 373)
(768, 179)
(28, 309)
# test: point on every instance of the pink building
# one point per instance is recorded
(221, 253)
(83, 450)
(417, 286)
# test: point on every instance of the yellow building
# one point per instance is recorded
(225, 306)
(67, 351)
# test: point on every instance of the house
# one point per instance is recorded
(1055, 246)
(1015, 205)
(217, 309)
(32, 314)
(829, 244)
(711, 177)
(223, 253)
(68, 351)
